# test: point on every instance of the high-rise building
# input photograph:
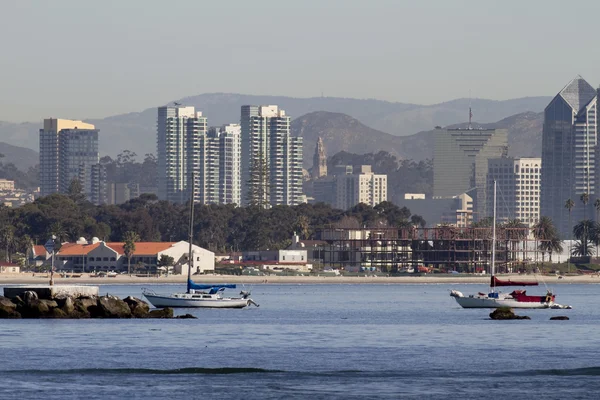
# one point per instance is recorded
(517, 187)
(568, 153)
(319, 167)
(363, 186)
(220, 165)
(460, 162)
(68, 150)
(180, 129)
(271, 158)
(99, 188)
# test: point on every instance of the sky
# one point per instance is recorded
(91, 59)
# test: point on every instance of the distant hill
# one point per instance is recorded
(342, 132)
(137, 131)
(21, 157)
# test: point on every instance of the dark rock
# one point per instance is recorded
(8, 309)
(18, 301)
(34, 308)
(559, 318)
(186, 316)
(138, 307)
(57, 313)
(49, 303)
(163, 313)
(82, 306)
(112, 307)
(504, 313)
(67, 306)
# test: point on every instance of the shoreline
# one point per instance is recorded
(85, 279)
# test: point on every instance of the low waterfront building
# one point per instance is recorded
(97, 255)
(9, 268)
(277, 259)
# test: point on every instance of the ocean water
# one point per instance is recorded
(363, 341)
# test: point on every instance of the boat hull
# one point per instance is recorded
(487, 302)
(159, 301)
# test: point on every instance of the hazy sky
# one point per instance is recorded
(88, 58)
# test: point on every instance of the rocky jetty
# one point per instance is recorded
(31, 306)
(505, 313)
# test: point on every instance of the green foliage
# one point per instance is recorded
(28, 180)
(129, 239)
(165, 261)
(220, 228)
(125, 168)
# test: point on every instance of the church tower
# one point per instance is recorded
(319, 168)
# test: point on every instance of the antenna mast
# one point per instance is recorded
(470, 113)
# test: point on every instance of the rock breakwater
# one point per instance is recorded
(30, 306)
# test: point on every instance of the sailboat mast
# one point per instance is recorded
(493, 266)
(191, 235)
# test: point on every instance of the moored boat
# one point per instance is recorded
(197, 295)
(497, 299)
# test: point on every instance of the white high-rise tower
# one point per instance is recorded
(271, 158)
(180, 129)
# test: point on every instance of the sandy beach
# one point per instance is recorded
(28, 278)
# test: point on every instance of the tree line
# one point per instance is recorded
(220, 228)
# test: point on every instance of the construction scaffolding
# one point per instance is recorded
(446, 248)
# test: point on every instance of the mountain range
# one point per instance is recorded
(342, 132)
(383, 124)
(23, 158)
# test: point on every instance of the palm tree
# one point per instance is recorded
(130, 238)
(569, 204)
(545, 232)
(582, 249)
(8, 239)
(585, 199)
(515, 231)
(586, 231)
(57, 229)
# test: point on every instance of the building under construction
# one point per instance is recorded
(446, 248)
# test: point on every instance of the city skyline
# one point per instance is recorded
(399, 68)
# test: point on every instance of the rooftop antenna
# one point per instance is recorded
(470, 112)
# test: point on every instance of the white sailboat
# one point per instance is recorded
(198, 296)
(496, 299)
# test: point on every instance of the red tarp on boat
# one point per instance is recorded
(497, 282)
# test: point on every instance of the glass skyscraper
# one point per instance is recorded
(568, 154)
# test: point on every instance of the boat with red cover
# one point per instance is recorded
(497, 299)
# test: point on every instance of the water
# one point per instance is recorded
(312, 341)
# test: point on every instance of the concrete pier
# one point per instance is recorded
(49, 292)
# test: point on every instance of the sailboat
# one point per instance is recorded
(198, 295)
(497, 299)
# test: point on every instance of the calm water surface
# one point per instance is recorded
(313, 341)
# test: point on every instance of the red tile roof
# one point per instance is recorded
(39, 250)
(8, 264)
(74, 249)
(141, 248)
